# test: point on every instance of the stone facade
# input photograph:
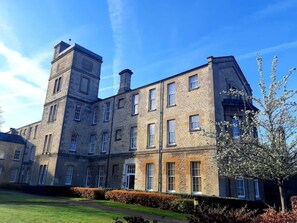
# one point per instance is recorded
(12, 149)
(147, 138)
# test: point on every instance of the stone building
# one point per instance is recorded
(148, 138)
(12, 148)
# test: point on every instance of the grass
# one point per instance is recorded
(16, 207)
(147, 210)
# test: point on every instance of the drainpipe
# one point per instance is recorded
(161, 137)
(110, 138)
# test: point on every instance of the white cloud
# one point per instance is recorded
(23, 83)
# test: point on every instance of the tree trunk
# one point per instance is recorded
(282, 196)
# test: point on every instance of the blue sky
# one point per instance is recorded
(155, 39)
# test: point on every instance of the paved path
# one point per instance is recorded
(90, 203)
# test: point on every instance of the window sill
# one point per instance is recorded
(77, 120)
(171, 145)
(195, 130)
(169, 106)
(152, 110)
(106, 120)
(134, 114)
(151, 147)
(193, 89)
(132, 149)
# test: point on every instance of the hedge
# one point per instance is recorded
(90, 193)
(147, 199)
(40, 190)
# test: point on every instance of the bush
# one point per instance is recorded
(183, 206)
(221, 214)
(40, 190)
(294, 203)
(89, 193)
(272, 216)
(147, 199)
(133, 220)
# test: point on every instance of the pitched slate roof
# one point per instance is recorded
(11, 138)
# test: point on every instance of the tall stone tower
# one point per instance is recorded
(72, 88)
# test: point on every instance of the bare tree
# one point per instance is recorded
(265, 148)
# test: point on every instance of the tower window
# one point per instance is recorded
(57, 86)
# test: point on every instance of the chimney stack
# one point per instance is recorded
(125, 81)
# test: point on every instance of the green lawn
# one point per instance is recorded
(16, 207)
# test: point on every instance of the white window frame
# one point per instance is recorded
(101, 174)
(107, 110)
(17, 154)
(104, 142)
(88, 177)
(171, 136)
(73, 142)
(77, 112)
(42, 174)
(133, 138)
(2, 153)
(170, 177)
(151, 135)
(130, 171)
(240, 187)
(152, 99)
(196, 182)
(69, 175)
(135, 102)
(149, 177)
(194, 122)
(171, 94)
(92, 144)
(235, 129)
(257, 189)
(13, 175)
(95, 117)
(193, 82)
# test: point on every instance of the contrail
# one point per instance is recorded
(280, 47)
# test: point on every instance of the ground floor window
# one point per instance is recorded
(196, 177)
(101, 173)
(88, 177)
(13, 175)
(149, 176)
(257, 189)
(42, 174)
(69, 174)
(170, 175)
(240, 188)
(130, 176)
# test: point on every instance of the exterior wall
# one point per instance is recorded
(8, 164)
(79, 73)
